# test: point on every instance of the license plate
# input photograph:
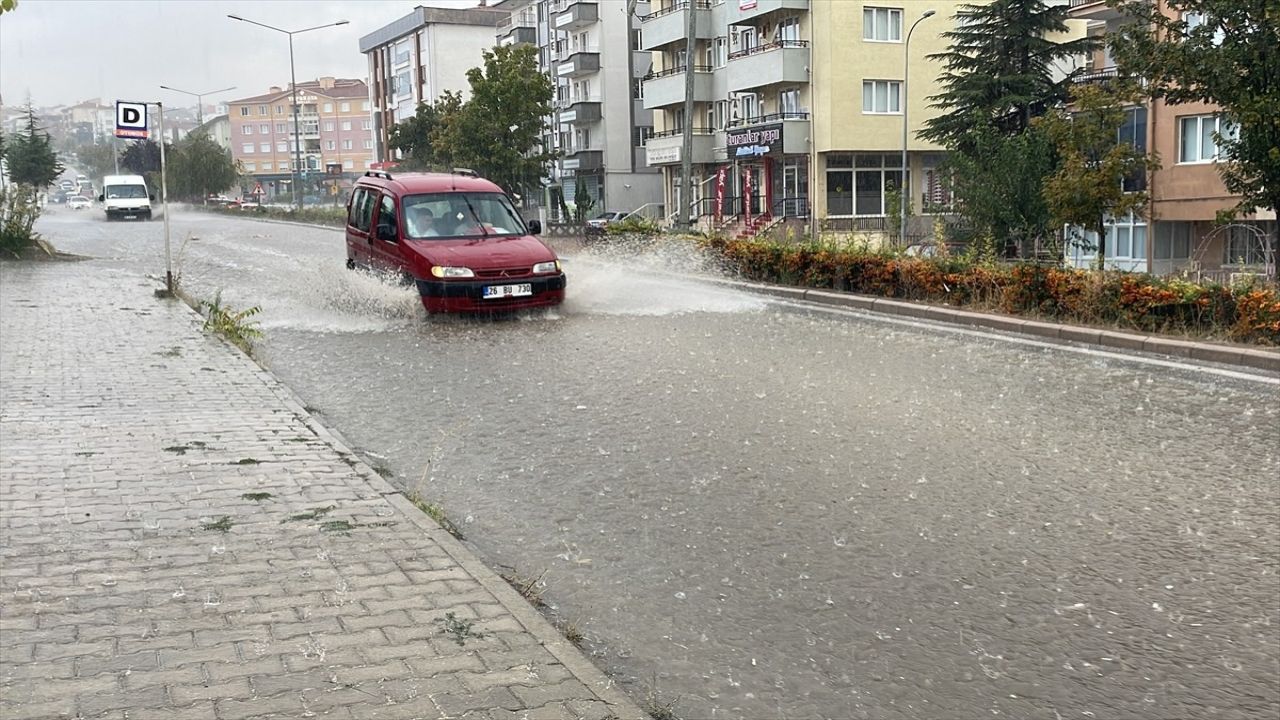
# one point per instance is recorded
(492, 292)
(130, 217)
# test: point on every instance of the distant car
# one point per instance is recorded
(597, 224)
(78, 202)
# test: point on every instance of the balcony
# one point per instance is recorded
(795, 128)
(579, 64)
(1093, 10)
(666, 87)
(759, 9)
(663, 27)
(784, 61)
(580, 160)
(577, 15)
(1100, 76)
(666, 147)
(581, 112)
(518, 35)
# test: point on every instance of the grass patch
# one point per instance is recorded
(458, 629)
(383, 471)
(172, 352)
(653, 704)
(528, 587)
(312, 514)
(436, 512)
(247, 461)
(338, 526)
(237, 326)
(257, 496)
(222, 524)
(177, 449)
(571, 633)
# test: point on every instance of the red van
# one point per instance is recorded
(457, 236)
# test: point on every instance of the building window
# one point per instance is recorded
(1196, 19)
(637, 40)
(368, 144)
(266, 165)
(330, 145)
(244, 111)
(788, 30)
(1245, 245)
(346, 144)
(328, 107)
(329, 126)
(250, 167)
(720, 52)
(346, 124)
(348, 164)
(264, 147)
(721, 115)
(749, 107)
(1134, 132)
(882, 24)
(1126, 240)
(281, 128)
(365, 106)
(262, 109)
(859, 185)
(345, 107)
(264, 128)
(789, 102)
(282, 147)
(246, 149)
(1173, 241)
(641, 134)
(279, 109)
(881, 96)
(246, 130)
(366, 125)
(1197, 142)
(637, 89)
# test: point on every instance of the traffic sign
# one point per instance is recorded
(131, 120)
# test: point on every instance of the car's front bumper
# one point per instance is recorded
(468, 295)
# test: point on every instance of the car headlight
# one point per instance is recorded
(443, 271)
(544, 268)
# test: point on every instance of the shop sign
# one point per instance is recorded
(754, 141)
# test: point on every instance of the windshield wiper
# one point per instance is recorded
(475, 215)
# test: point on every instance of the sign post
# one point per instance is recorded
(131, 122)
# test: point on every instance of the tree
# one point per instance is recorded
(200, 166)
(498, 131)
(31, 157)
(998, 70)
(1223, 52)
(98, 160)
(141, 157)
(999, 183)
(582, 202)
(418, 138)
(1088, 187)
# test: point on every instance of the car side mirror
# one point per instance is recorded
(101, 198)
(535, 227)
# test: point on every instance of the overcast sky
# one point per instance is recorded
(66, 51)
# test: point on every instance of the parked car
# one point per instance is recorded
(78, 202)
(456, 237)
(597, 224)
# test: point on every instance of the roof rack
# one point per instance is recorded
(466, 171)
(378, 173)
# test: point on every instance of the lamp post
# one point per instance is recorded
(199, 99)
(904, 189)
(293, 87)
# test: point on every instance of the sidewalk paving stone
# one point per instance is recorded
(145, 573)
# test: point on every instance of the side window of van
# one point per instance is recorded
(387, 215)
(353, 212)
(362, 209)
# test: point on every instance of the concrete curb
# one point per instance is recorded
(1255, 358)
(533, 621)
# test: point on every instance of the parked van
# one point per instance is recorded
(125, 196)
(457, 237)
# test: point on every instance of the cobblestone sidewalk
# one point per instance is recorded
(180, 539)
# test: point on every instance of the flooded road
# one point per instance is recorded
(765, 510)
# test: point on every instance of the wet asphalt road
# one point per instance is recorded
(770, 511)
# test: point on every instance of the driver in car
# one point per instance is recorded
(421, 221)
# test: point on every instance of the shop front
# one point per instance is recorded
(762, 179)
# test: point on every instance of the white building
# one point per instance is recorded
(591, 50)
(417, 58)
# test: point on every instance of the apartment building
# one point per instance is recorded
(1179, 231)
(417, 58)
(335, 133)
(798, 107)
(592, 53)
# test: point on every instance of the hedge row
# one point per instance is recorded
(335, 217)
(1141, 302)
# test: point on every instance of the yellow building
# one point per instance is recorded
(798, 109)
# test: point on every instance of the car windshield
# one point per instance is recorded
(126, 191)
(459, 214)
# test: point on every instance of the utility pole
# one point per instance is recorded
(164, 204)
(683, 219)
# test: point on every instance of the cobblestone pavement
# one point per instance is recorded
(180, 539)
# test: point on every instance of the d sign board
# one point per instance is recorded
(131, 120)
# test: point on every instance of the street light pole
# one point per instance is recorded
(199, 99)
(293, 94)
(904, 189)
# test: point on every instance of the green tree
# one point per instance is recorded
(999, 183)
(418, 138)
(998, 69)
(582, 202)
(141, 157)
(498, 131)
(8, 6)
(98, 160)
(1088, 187)
(31, 157)
(1223, 52)
(200, 166)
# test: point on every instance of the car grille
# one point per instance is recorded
(502, 273)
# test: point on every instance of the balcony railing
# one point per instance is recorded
(676, 71)
(771, 117)
(1093, 76)
(676, 7)
(775, 45)
(678, 133)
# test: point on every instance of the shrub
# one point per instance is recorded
(18, 213)
(632, 226)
